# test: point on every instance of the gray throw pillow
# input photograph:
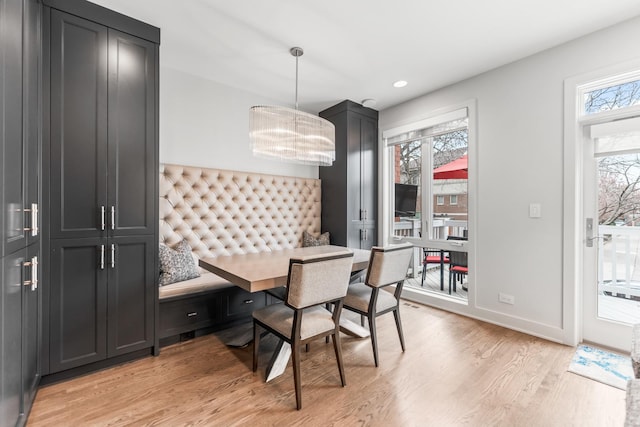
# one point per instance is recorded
(177, 264)
(309, 239)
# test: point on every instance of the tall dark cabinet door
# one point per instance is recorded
(13, 235)
(131, 294)
(78, 127)
(32, 91)
(78, 302)
(31, 325)
(10, 404)
(369, 181)
(132, 138)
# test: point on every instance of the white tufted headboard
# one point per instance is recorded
(222, 212)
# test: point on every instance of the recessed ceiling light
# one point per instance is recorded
(400, 83)
(369, 103)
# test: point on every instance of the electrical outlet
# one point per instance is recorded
(506, 298)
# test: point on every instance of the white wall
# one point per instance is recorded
(520, 161)
(204, 123)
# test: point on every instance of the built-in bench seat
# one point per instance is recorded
(220, 213)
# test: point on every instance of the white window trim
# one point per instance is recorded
(451, 198)
(439, 200)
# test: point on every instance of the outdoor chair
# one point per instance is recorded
(434, 256)
(388, 266)
(458, 268)
(312, 282)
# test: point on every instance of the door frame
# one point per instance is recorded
(573, 238)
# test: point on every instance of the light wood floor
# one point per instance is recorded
(456, 371)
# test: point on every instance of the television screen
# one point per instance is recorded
(406, 196)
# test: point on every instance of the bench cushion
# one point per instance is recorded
(206, 282)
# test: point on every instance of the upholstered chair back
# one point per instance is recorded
(388, 265)
(318, 278)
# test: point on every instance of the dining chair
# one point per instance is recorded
(312, 282)
(388, 266)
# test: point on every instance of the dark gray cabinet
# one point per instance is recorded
(101, 300)
(102, 168)
(20, 133)
(350, 185)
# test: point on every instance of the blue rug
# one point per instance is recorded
(603, 366)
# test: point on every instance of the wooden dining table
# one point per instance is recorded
(255, 272)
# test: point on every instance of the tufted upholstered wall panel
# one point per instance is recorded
(222, 212)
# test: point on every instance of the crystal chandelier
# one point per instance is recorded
(291, 135)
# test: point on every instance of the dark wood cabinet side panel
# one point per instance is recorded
(78, 126)
(78, 303)
(131, 134)
(334, 188)
(131, 294)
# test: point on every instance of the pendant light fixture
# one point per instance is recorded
(291, 135)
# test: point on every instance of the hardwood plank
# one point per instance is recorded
(456, 371)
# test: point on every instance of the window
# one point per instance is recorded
(431, 158)
(611, 94)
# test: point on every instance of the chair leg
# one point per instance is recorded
(450, 277)
(256, 345)
(295, 356)
(424, 273)
(338, 349)
(362, 320)
(396, 314)
(374, 340)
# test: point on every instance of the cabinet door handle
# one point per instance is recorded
(113, 256)
(248, 301)
(34, 219)
(102, 221)
(192, 314)
(34, 273)
(365, 215)
(113, 217)
(101, 257)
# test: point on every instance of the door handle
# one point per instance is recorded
(101, 257)
(113, 256)
(589, 232)
(102, 220)
(113, 217)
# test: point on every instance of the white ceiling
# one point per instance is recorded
(356, 49)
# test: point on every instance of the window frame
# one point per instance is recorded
(431, 119)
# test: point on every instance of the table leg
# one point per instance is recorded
(278, 362)
(353, 329)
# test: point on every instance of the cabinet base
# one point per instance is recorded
(94, 367)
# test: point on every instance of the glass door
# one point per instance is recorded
(612, 232)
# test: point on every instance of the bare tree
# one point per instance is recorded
(612, 97)
(619, 189)
(447, 147)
